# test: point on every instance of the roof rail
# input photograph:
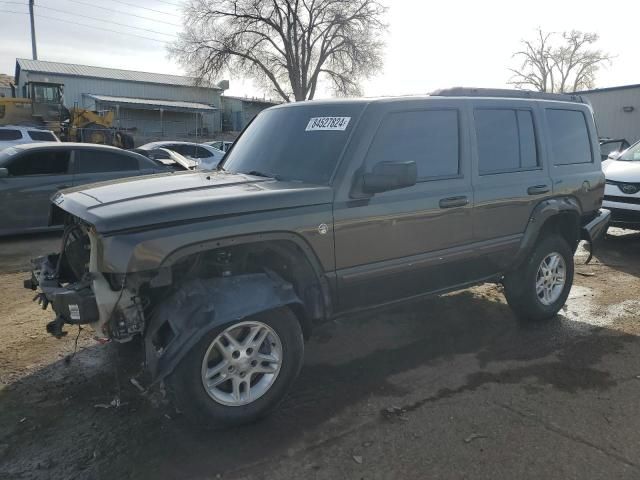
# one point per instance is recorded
(505, 92)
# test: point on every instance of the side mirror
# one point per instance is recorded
(613, 155)
(387, 176)
(4, 173)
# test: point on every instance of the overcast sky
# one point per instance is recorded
(429, 44)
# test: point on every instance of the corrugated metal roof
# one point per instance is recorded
(609, 89)
(145, 102)
(41, 66)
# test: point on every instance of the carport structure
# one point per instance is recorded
(159, 117)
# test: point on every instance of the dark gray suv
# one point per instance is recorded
(320, 209)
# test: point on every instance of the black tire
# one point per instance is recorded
(520, 284)
(187, 391)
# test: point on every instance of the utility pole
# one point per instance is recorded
(34, 50)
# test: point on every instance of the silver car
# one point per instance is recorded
(30, 174)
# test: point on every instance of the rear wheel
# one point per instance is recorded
(241, 371)
(539, 287)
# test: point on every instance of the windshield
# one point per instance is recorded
(295, 143)
(631, 154)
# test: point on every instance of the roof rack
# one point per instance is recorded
(505, 92)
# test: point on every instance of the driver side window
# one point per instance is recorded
(40, 163)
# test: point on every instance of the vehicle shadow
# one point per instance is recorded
(620, 250)
(58, 425)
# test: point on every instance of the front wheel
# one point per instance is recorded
(539, 287)
(241, 371)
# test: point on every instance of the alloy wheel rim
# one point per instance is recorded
(551, 278)
(242, 363)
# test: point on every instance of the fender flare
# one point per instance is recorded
(203, 304)
(545, 210)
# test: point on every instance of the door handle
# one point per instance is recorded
(453, 202)
(62, 187)
(538, 190)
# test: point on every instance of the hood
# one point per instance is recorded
(621, 171)
(184, 197)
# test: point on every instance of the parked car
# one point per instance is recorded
(610, 147)
(622, 192)
(18, 135)
(206, 156)
(30, 174)
(320, 209)
(220, 145)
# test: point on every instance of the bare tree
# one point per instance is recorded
(559, 62)
(288, 46)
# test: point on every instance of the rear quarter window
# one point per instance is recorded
(42, 136)
(7, 134)
(569, 136)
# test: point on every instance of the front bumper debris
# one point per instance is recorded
(73, 303)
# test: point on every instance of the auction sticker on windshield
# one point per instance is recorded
(328, 123)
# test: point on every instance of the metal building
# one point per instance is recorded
(149, 105)
(617, 111)
(239, 111)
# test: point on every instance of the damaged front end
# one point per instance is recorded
(79, 294)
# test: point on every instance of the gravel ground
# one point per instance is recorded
(450, 387)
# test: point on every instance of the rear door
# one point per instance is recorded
(510, 175)
(93, 165)
(34, 176)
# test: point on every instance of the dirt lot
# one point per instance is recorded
(451, 387)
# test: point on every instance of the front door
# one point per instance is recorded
(34, 176)
(405, 242)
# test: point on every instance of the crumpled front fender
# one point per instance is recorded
(201, 305)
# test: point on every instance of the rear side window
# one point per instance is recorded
(569, 135)
(202, 153)
(95, 161)
(42, 136)
(10, 134)
(506, 140)
(429, 137)
(184, 150)
(42, 162)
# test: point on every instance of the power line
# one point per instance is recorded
(126, 13)
(92, 27)
(170, 3)
(104, 21)
(144, 8)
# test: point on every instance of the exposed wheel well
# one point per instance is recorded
(282, 257)
(567, 225)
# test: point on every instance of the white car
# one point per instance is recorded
(18, 135)
(206, 156)
(220, 145)
(622, 192)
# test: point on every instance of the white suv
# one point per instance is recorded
(622, 192)
(17, 135)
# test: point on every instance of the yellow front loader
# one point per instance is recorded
(46, 110)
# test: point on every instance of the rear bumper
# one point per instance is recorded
(595, 229)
